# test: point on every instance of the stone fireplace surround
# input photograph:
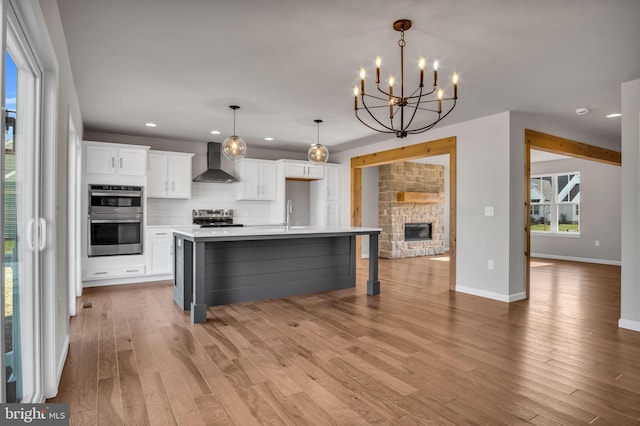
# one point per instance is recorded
(392, 215)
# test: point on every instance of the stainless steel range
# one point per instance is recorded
(213, 218)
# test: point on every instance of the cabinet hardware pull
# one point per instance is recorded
(100, 273)
(133, 270)
(120, 162)
(113, 162)
(161, 233)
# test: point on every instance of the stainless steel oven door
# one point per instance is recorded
(113, 235)
(125, 200)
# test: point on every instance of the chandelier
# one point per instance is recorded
(318, 153)
(234, 147)
(387, 112)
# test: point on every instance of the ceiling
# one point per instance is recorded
(286, 63)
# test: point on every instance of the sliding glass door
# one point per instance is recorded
(23, 230)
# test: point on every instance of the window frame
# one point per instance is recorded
(554, 205)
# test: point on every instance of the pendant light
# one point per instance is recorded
(233, 147)
(318, 154)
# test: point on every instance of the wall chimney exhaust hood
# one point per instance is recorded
(214, 172)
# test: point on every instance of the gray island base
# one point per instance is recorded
(214, 266)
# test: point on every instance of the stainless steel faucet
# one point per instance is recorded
(287, 223)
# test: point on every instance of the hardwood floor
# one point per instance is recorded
(416, 354)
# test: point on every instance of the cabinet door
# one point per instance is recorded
(248, 187)
(160, 256)
(332, 214)
(132, 162)
(314, 172)
(157, 182)
(101, 160)
(179, 176)
(332, 182)
(268, 181)
(295, 170)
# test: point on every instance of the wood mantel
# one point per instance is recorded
(421, 197)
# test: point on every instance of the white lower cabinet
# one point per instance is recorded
(159, 251)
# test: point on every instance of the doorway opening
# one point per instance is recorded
(553, 144)
(407, 153)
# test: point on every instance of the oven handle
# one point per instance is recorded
(124, 193)
(115, 221)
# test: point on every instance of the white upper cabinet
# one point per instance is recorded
(115, 159)
(169, 174)
(304, 170)
(257, 179)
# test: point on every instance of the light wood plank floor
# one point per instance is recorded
(417, 354)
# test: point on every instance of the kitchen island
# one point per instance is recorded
(216, 266)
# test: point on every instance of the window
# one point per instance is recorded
(555, 203)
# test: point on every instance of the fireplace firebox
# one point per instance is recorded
(417, 231)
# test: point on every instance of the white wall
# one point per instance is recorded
(630, 304)
(370, 193)
(483, 179)
(600, 212)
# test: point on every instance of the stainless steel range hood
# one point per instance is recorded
(214, 172)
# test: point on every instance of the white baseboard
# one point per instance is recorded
(629, 324)
(508, 298)
(577, 259)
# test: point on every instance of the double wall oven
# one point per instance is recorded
(115, 220)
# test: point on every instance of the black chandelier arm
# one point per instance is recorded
(373, 128)
(377, 98)
(429, 126)
(383, 92)
(412, 96)
(415, 110)
(391, 129)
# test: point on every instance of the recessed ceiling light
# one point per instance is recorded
(268, 139)
(614, 115)
(151, 124)
(215, 132)
(582, 111)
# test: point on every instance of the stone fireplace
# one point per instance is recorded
(413, 226)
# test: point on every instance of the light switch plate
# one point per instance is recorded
(488, 211)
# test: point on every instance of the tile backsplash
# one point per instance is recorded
(207, 196)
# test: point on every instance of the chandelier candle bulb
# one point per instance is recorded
(355, 95)
(421, 64)
(440, 95)
(378, 63)
(435, 73)
(455, 85)
(363, 74)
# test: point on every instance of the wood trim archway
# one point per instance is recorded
(556, 145)
(405, 153)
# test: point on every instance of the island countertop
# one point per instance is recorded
(269, 232)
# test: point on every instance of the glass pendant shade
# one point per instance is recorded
(318, 154)
(234, 148)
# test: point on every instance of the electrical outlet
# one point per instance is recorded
(490, 264)
(597, 243)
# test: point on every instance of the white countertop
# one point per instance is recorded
(271, 231)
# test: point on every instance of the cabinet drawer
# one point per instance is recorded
(159, 233)
(96, 273)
